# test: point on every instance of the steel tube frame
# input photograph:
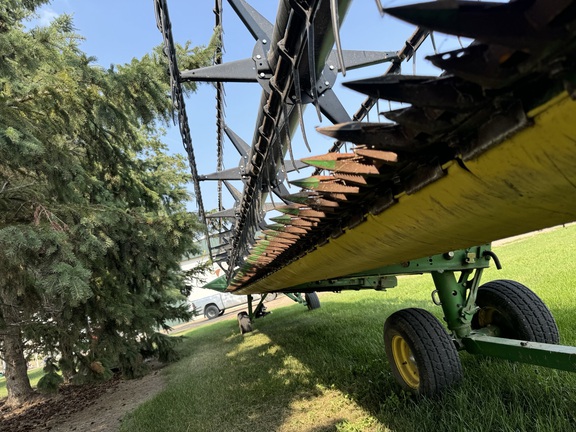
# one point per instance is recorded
(560, 357)
(457, 297)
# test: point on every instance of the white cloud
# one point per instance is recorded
(45, 16)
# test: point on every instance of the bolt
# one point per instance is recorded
(327, 83)
(258, 56)
(262, 74)
(331, 67)
(449, 255)
(264, 41)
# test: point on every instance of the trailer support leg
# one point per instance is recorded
(250, 308)
(457, 298)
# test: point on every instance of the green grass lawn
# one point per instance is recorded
(326, 370)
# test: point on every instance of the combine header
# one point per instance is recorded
(483, 151)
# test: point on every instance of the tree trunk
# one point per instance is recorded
(66, 362)
(17, 382)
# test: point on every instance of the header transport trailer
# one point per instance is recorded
(484, 149)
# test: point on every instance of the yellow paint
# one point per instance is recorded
(405, 362)
(526, 183)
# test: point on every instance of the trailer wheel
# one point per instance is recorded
(244, 323)
(211, 311)
(422, 355)
(312, 300)
(270, 297)
(517, 311)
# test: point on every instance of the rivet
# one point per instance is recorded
(258, 56)
(331, 67)
(264, 41)
(327, 83)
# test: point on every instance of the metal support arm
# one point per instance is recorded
(540, 354)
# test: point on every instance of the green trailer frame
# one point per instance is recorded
(456, 275)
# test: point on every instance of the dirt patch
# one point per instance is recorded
(95, 408)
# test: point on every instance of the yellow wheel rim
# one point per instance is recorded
(405, 362)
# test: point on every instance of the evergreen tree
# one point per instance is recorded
(93, 221)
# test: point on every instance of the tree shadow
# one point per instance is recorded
(343, 349)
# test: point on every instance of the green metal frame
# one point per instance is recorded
(297, 297)
(251, 309)
(364, 281)
(458, 300)
(457, 297)
(456, 294)
(553, 356)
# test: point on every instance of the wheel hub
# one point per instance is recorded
(405, 362)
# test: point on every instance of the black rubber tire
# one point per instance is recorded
(517, 311)
(432, 350)
(211, 311)
(312, 300)
(244, 323)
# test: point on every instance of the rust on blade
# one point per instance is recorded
(305, 213)
(284, 219)
(285, 235)
(351, 178)
(300, 197)
(353, 167)
(336, 196)
(378, 155)
(332, 156)
(282, 242)
(326, 204)
(311, 218)
(269, 235)
(295, 230)
(265, 261)
(291, 209)
(297, 222)
(324, 184)
(336, 187)
(311, 181)
(342, 162)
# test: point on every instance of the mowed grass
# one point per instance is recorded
(326, 370)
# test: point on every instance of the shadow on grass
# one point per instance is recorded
(325, 370)
(341, 345)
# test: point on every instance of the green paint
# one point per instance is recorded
(277, 227)
(218, 284)
(324, 164)
(286, 220)
(299, 198)
(452, 296)
(368, 282)
(541, 354)
(307, 183)
(289, 210)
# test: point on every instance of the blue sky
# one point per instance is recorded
(117, 31)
